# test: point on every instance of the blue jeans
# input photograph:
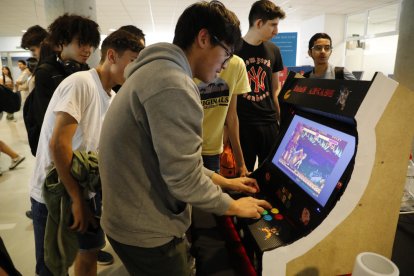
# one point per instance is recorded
(39, 212)
(212, 162)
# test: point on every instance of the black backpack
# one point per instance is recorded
(9, 101)
(31, 117)
(339, 73)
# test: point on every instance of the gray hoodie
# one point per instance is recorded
(150, 152)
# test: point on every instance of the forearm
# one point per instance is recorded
(277, 107)
(276, 90)
(221, 181)
(62, 158)
(233, 131)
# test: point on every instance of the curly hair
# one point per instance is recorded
(33, 37)
(67, 27)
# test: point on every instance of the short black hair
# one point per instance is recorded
(133, 30)
(67, 27)
(318, 36)
(213, 16)
(21, 61)
(46, 50)
(265, 10)
(31, 64)
(33, 37)
(120, 41)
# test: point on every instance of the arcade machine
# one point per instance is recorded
(311, 163)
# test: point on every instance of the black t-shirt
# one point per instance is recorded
(257, 107)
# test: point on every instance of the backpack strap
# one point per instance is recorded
(339, 73)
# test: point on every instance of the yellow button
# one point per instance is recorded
(274, 211)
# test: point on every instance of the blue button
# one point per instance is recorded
(267, 217)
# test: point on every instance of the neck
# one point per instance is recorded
(320, 69)
(104, 76)
(252, 38)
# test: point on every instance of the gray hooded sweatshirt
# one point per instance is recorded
(150, 152)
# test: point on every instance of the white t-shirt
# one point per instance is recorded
(82, 96)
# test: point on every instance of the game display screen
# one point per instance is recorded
(314, 156)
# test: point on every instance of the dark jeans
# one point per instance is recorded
(212, 162)
(167, 259)
(257, 141)
(39, 212)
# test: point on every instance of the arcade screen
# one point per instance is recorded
(314, 156)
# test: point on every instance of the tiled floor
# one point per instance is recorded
(15, 229)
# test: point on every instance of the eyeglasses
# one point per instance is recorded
(228, 53)
(318, 48)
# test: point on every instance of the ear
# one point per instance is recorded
(111, 56)
(310, 53)
(258, 23)
(203, 38)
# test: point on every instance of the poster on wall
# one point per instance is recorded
(287, 43)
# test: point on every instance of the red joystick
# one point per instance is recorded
(278, 217)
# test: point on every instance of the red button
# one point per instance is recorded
(278, 216)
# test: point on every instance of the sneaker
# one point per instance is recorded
(105, 258)
(16, 161)
(29, 214)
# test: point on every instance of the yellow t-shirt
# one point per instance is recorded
(215, 98)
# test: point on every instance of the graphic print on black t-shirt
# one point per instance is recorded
(258, 72)
(257, 106)
(214, 94)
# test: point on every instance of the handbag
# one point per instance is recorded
(9, 101)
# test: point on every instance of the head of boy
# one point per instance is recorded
(264, 19)
(21, 64)
(74, 37)
(118, 50)
(135, 31)
(320, 48)
(32, 39)
(208, 33)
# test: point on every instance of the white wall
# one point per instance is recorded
(10, 44)
(378, 55)
(307, 30)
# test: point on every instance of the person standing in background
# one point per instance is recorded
(73, 48)
(320, 50)
(141, 38)
(258, 110)
(7, 81)
(31, 65)
(32, 39)
(219, 100)
(22, 81)
(16, 159)
(73, 121)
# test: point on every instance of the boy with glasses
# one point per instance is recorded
(155, 125)
(320, 49)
